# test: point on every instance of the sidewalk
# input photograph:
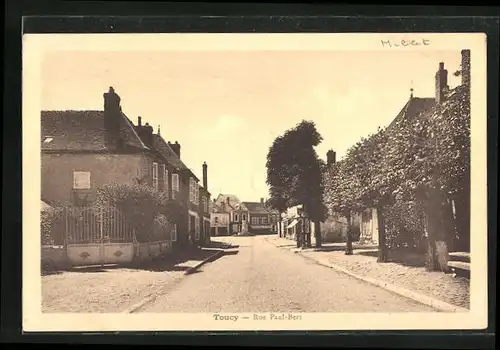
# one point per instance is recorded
(408, 274)
(116, 288)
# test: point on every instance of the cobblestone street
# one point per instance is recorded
(113, 289)
(256, 276)
(409, 275)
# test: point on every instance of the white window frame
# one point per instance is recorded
(77, 184)
(161, 174)
(235, 217)
(197, 228)
(165, 181)
(155, 176)
(174, 232)
(175, 185)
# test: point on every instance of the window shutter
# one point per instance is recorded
(165, 181)
(161, 178)
(155, 175)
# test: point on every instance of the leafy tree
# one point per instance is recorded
(429, 159)
(143, 207)
(375, 181)
(343, 192)
(294, 173)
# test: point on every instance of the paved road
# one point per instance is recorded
(260, 277)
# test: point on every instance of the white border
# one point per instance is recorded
(34, 47)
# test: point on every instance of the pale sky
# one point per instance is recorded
(226, 108)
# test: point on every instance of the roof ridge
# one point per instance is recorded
(127, 120)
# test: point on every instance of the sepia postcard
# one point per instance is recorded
(212, 182)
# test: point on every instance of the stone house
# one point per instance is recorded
(260, 218)
(243, 217)
(82, 151)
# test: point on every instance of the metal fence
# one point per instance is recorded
(96, 225)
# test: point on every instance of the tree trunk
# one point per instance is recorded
(348, 245)
(433, 213)
(307, 226)
(317, 233)
(383, 255)
(298, 235)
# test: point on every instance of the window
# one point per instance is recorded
(193, 191)
(243, 217)
(216, 220)
(155, 176)
(165, 181)
(173, 233)
(196, 228)
(175, 185)
(161, 178)
(254, 220)
(263, 220)
(235, 217)
(81, 180)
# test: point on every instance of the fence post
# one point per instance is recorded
(101, 223)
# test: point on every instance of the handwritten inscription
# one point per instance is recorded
(405, 43)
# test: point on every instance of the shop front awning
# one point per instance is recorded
(293, 223)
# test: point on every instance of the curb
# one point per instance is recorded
(190, 270)
(201, 263)
(421, 298)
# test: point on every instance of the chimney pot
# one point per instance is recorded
(465, 67)
(205, 177)
(441, 80)
(112, 115)
(330, 157)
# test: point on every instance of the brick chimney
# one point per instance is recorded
(145, 132)
(330, 157)
(228, 200)
(112, 116)
(466, 67)
(176, 147)
(441, 82)
(205, 184)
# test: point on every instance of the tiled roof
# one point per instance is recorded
(256, 207)
(162, 147)
(413, 108)
(166, 152)
(221, 208)
(82, 131)
(233, 200)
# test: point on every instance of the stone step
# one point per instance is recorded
(459, 257)
(459, 265)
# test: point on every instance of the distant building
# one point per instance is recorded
(234, 216)
(261, 219)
